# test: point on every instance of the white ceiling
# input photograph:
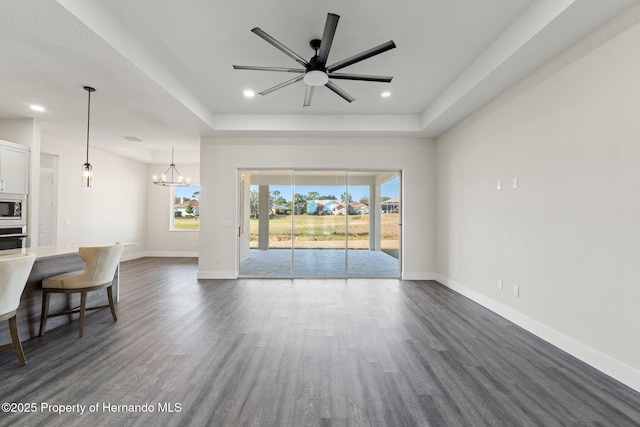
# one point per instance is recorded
(163, 69)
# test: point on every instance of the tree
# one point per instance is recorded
(364, 200)
(253, 203)
(345, 197)
(300, 204)
(276, 199)
(313, 195)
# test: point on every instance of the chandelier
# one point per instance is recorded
(171, 177)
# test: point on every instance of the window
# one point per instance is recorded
(185, 208)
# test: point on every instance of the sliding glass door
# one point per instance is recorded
(319, 229)
(374, 230)
(265, 233)
(319, 223)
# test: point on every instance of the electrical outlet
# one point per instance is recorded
(499, 185)
(500, 284)
(515, 182)
(516, 290)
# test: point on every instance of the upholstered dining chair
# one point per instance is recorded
(14, 272)
(101, 263)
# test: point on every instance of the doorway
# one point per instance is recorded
(319, 223)
(48, 201)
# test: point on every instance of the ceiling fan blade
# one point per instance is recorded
(286, 70)
(280, 46)
(340, 91)
(362, 56)
(281, 85)
(364, 77)
(308, 95)
(327, 38)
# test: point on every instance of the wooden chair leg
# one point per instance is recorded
(83, 305)
(111, 306)
(45, 312)
(13, 328)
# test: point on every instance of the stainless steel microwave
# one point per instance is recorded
(13, 210)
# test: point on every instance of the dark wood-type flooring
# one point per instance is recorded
(379, 352)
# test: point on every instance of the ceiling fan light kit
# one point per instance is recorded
(315, 78)
(316, 72)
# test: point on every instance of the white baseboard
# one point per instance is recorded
(129, 257)
(615, 369)
(172, 254)
(418, 275)
(216, 274)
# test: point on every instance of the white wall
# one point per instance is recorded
(160, 240)
(221, 157)
(113, 209)
(569, 236)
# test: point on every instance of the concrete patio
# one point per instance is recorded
(319, 263)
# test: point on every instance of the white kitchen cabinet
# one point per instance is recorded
(14, 168)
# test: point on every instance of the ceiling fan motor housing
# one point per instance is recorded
(316, 74)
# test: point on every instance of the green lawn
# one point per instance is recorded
(318, 228)
(325, 230)
(186, 224)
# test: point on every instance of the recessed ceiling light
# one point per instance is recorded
(385, 94)
(249, 93)
(37, 108)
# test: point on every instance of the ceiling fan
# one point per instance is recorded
(316, 72)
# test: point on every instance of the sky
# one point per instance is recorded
(186, 191)
(389, 189)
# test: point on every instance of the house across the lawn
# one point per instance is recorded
(187, 208)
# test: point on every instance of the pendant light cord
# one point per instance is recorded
(88, 89)
(88, 122)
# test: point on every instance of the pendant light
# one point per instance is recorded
(87, 170)
(168, 178)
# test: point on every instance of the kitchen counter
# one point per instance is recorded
(50, 251)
